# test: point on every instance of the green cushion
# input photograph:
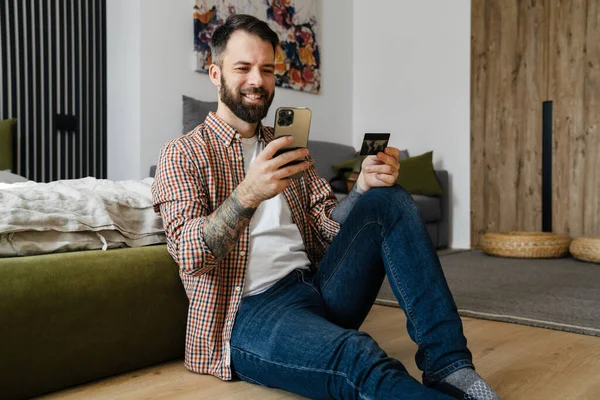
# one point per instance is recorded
(417, 175)
(70, 318)
(348, 164)
(344, 164)
(6, 143)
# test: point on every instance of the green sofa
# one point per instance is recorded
(71, 318)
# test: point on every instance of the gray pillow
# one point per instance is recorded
(195, 112)
(9, 177)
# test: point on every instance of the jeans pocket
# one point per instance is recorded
(307, 277)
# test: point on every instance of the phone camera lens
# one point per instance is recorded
(285, 117)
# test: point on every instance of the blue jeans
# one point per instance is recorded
(301, 335)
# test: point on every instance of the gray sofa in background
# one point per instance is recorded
(434, 210)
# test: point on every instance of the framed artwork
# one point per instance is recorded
(297, 58)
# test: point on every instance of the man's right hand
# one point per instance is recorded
(266, 178)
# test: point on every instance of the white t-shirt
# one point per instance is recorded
(276, 246)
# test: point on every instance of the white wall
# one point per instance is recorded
(394, 66)
(123, 88)
(167, 72)
(412, 78)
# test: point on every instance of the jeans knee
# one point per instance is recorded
(359, 353)
(360, 343)
(394, 198)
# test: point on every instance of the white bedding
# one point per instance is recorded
(77, 214)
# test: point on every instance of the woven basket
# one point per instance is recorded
(526, 244)
(586, 249)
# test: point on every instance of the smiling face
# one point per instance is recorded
(246, 76)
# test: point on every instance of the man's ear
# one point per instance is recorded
(214, 72)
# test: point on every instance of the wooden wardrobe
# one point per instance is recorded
(524, 53)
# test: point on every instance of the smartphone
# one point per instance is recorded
(373, 143)
(295, 122)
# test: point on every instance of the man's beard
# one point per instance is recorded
(250, 113)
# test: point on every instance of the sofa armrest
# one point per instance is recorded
(444, 225)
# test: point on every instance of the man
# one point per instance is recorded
(248, 241)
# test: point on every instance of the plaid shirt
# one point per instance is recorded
(196, 173)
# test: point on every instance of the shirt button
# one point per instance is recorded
(240, 158)
(238, 288)
(242, 253)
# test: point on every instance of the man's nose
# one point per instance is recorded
(255, 77)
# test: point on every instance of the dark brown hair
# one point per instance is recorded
(246, 23)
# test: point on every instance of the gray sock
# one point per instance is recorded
(473, 385)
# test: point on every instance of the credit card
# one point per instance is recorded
(373, 143)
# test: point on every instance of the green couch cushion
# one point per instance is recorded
(347, 164)
(417, 175)
(71, 318)
(6, 143)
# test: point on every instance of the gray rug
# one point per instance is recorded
(561, 294)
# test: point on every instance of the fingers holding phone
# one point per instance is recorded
(269, 175)
(291, 158)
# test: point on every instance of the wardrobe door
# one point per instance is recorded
(508, 86)
(574, 88)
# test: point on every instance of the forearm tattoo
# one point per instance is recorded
(224, 226)
(342, 210)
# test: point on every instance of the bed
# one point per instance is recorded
(79, 315)
(72, 214)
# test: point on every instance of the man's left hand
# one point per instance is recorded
(380, 170)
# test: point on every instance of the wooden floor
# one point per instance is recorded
(520, 362)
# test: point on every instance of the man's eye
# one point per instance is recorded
(268, 71)
(241, 69)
